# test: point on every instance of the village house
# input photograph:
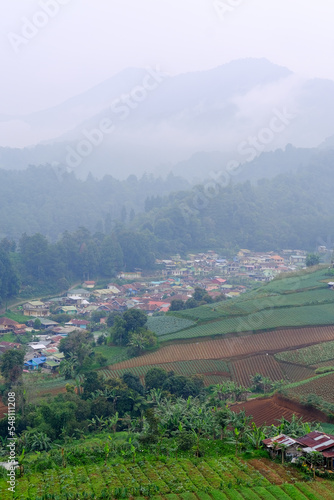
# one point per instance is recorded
(298, 260)
(274, 444)
(35, 308)
(79, 323)
(8, 325)
(35, 363)
(78, 293)
(5, 346)
(313, 441)
(113, 289)
(89, 284)
(321, 442)
(68, 310)
(129, 276)
(45, 323)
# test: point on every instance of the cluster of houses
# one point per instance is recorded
(43, 353)
(256, 266)
(174, 279)
(297, 447)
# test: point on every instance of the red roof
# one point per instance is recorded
(79, 322)
(157, 303)
(8, 322)
(319, 441)
(4, 346)
(56, 338)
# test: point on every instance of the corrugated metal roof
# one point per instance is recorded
(316, 441)
(280, 439)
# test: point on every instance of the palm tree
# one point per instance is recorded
(68, 367)
(256, 382)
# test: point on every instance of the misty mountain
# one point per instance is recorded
(144, 120)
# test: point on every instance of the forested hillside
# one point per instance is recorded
(293, 210)
(50, 200)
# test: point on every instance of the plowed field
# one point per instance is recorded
(226, 348)
(268, 410)
(296, 373)
(265, 365)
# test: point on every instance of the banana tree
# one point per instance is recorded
(255, 435)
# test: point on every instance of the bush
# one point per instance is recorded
(325, 369)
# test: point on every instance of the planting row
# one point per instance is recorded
(173, 476)
(230, 347)
(161, 325)
(186, 368)
(311, 355)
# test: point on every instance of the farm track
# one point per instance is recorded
(234, 348)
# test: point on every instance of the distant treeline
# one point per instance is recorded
(38, 265)
(51, 200)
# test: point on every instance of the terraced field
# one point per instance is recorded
(162, 325)
(201, 366)
(267, 411)
(296, 373)
(232, 347)
(323, 387)
(308, 288)
(265, 319)
(223, 478)
(312, 355)
(265, 365)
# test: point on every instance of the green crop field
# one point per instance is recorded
(311, 355)
(114, 354)
(303, 280)
(306, 289)
(224, 478)
(321, 386)
(161, 325)
(186, 368)
(262, 320)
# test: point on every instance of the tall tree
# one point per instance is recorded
(12, 364)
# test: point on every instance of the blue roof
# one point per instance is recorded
(36, 361)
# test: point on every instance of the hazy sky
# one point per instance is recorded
(82, 42)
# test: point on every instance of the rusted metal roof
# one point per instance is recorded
(280, 439)
(316, 441)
